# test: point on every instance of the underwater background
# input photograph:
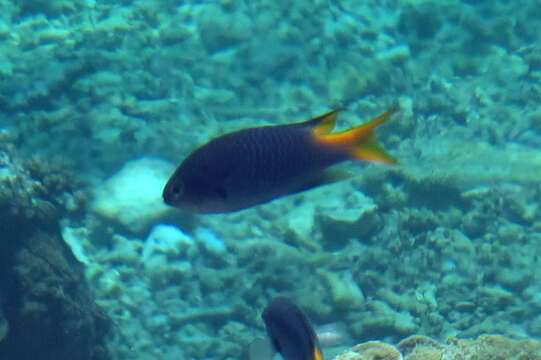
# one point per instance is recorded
(101, 100)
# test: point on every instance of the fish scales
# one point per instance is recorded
(283, 153)
(273, 154)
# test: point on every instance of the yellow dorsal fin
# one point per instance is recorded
(324, 124)
(360, 141)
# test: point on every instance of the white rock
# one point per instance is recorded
(301, 219)
(110, 284)
(210, 241)
(76, 238)
(399, 53)
(168, 240)
(133, 195)
(349, 209)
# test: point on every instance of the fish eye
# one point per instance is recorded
(177, 188)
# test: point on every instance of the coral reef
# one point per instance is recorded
(484, 347)
(443, 244)
(46, 302)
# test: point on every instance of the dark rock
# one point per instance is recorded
(45, 299)
(420, 21)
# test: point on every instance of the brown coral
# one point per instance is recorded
(418, 347)
(423, 352)
(498, 347)
(409, 344)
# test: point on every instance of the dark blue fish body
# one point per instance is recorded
(290, 331)
(253, 166)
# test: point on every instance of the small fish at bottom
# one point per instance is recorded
(290, 333)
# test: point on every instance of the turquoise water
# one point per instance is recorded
(106, 98)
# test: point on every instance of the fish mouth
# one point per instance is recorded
(166, 200)
(173, 191)
(165, 197)
(181, 203)
(168, 197)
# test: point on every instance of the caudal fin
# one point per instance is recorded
(361, 141)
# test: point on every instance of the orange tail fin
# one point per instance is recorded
(361, 141)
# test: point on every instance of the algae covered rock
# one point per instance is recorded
(345, 292)
(47, 305)
(340, 221)
(383, 320)
(220, 30)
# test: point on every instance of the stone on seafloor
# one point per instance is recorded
(341, 220)
(333, 334)
(300, 219)
(349, 210)
(133, 196)
(333, 205)
(383, 319)
(346, 80)
(126, 251)
(176, 319)
(167, 255)
(220, 30)
(168, 240)
(76, 238)
(516, 279)
(395, 54)
(210, 241)
(345, 292)
(371, 350)
(110, 284)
